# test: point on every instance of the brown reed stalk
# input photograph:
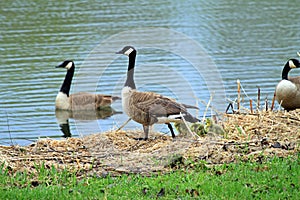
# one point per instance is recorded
(239, 94)
(273, 101)
(258, 97)
(251, 107)
(266, 103)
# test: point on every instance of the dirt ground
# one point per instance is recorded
(247, 137)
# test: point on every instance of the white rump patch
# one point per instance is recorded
(291, 64)
(69, 65)
(169, 119)
(128, 51)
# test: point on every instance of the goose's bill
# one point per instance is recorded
(59, 66)
(119, 52)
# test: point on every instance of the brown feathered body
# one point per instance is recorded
(83, 101)
(288, 93)
(148, 108)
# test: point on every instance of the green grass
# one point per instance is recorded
(275, 178)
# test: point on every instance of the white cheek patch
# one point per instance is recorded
(128, 51)
(69, 65)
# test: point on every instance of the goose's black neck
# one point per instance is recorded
(130, 73)
(65, 88)
(285, 71)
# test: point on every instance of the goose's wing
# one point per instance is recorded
(296, 81)
(156, 105)
(84, 100)
(190, 106)
(105, 100)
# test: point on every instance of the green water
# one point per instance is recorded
(246, 40)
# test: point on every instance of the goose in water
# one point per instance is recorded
(288, 89)
(81, 100)
(148, 108)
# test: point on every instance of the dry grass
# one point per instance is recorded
(254, 136)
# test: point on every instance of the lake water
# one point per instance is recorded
(188, 50)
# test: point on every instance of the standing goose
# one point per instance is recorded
(288, 89)
(148, 108)
(81, 100)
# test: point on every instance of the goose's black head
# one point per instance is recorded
(293, 63)
(68, 64)
(127, 50)
(290, 64)
(131, 53)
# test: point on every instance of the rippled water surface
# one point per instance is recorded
(179, 45)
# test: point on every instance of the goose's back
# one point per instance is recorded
(89, 101)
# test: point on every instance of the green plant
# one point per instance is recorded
(270, 178)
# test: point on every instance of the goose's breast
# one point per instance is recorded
(126, 93)
(285, 90)
(287, 94)
(62, 101)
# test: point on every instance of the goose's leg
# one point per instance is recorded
(146, 131)
(171, 129)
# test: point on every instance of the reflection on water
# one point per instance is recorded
(63, 116)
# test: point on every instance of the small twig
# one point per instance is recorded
(251, 107)
(258, 97)
(273, 101)
(242, 107)
(124, 124)
(211, 107)
(242, 88)
(207, 106)
(291, 118)
(229, 106)
(188, 128)
(239, 93)
(266, 103)
(230, 143)
(197, 110)
(32, 158)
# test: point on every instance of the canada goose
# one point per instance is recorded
(81, 100)
(288, 89)
(148, 108)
